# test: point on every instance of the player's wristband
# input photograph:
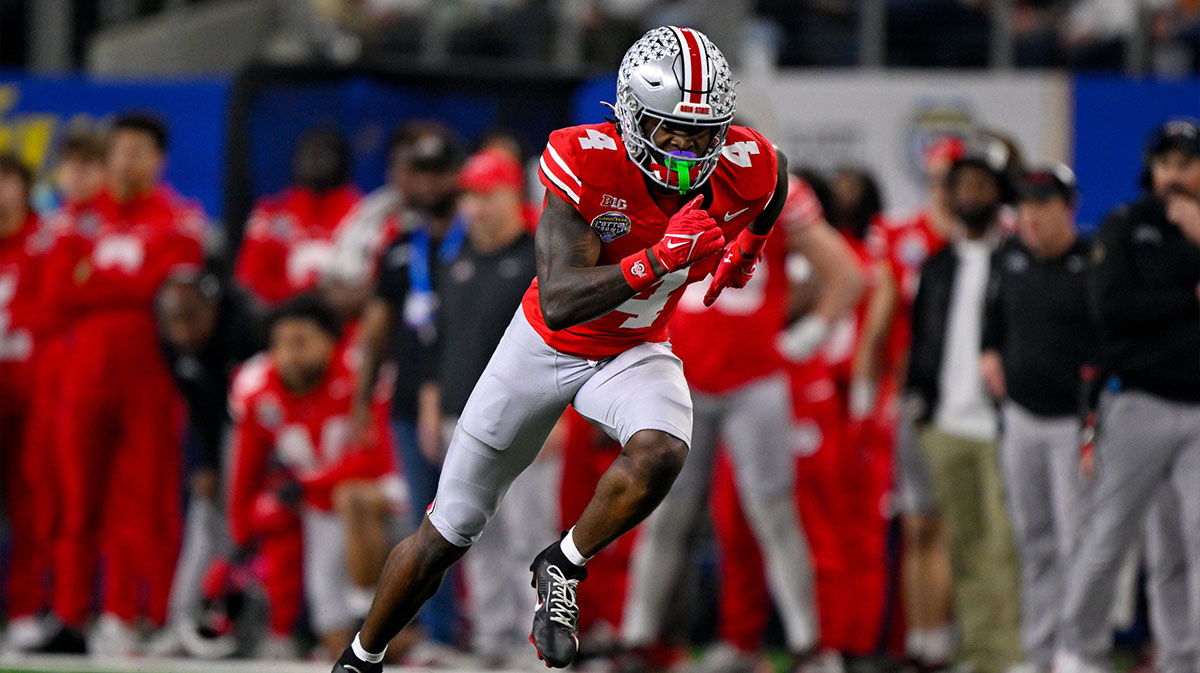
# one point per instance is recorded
(638, 272)
(750, 243)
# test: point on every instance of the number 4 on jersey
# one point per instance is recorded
(739, 153)
(596, 140)
(643, 312)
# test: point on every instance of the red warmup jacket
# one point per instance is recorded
(305, 436)
(110, 259)
(289, 240)
(22, 259)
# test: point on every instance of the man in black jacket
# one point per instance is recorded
(1146, 296)
(956, 417)
(1038, 334)
(207, 330)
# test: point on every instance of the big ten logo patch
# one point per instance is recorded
(610, 201)
(611, 225)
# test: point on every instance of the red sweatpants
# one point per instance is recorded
(280, 567)
(119, 460)
(840, 487)
(27, 479)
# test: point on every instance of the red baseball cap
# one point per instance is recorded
(946, 148)
(489, 170)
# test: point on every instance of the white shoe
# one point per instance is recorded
(721, 658)
(432, 654)
(112, 637)
(1070, 662)
(164, 642)
(26, 634)
(823, 661)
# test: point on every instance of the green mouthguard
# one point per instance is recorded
(680, 166)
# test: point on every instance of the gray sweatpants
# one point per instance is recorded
(1147, 445)
(755, 423)
(1040, 460)
(204, 539)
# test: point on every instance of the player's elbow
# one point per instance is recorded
(554, 314)
(556, 321)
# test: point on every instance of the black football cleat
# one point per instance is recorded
(556, 620)
(350, 663)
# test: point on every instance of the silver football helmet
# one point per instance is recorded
(674, 75)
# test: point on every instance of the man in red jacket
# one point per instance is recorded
(21, 262)
(289, 238)
(119, 434)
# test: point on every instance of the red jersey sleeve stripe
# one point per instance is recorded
(558, 182)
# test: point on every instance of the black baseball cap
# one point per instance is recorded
(437, 150)
(1181, 134)
(1043, 183)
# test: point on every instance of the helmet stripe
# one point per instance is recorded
(693, 63)
(705, 65)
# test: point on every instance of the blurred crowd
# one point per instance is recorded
(217, 464)
(1159, 36)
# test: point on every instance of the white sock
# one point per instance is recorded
(914, 643)
(365, 655)
(570, 550)
(939, 644)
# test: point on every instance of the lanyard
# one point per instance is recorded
(421, 303)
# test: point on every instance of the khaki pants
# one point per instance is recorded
(969, 493)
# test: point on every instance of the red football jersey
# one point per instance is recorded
(306, 435)
(905, 246)
(587, 166)
(733, 341)
(22, 258)
(289, 240)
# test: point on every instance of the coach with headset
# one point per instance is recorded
(1145, 293)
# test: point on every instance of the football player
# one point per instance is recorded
(664, 194)
(294, 452)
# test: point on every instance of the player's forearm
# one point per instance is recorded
(583, 294)
(868, 363)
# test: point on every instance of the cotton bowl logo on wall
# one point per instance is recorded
(931, 121)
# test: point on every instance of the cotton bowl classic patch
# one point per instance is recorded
(611, 225)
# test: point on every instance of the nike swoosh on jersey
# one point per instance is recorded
(730, 216)
(348, 667)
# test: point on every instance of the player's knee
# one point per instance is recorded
(434, 547)
(657, 456)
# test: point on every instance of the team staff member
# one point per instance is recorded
(1037, 335)
(1146, 296)
(399, 325)
(479, 292)
(119, 409)
(207, 330)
